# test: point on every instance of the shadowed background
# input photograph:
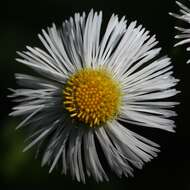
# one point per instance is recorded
(20, 22)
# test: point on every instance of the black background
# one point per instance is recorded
(20, 22)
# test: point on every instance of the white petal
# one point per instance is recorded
(115, 157)
(37, 139)
(144, 119)
(93, 164)
(128, 139)
(184, 34)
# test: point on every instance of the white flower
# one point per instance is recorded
(184, 35)
(91, 86)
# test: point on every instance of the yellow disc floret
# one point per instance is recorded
(92, 96)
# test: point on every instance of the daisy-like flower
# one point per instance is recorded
(90, 86)
(184, 35)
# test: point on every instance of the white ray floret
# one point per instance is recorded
(129, 53)
(184, 33)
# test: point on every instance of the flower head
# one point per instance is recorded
(90, 86)
(92, 96)
(184, 35)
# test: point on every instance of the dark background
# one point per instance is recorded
(20, 21)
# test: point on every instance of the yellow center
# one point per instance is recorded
(92, 96)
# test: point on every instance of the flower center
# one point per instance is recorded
(92, 96)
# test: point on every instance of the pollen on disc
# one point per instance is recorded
(92, 96)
